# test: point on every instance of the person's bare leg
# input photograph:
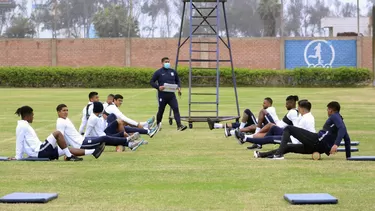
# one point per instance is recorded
(229, 125)
(62, 144)
(120, 125)
(247, 129)
(266, 128)
(261, 118)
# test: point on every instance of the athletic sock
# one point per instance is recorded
(130, 143)
(249, 136)
(218, 126)
(257, 130)
(232, 132)
(242, 125)
(67, 152)
(89, 151)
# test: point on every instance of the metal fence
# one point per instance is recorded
(161, 18)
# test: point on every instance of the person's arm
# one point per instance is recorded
(20, 138)
(177, 80)
(153, 80)
(121, 116)
(90, 126)
(83, 122)
(341, 132)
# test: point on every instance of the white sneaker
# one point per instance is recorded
(256, 154)
(277, 157)
(133, 137)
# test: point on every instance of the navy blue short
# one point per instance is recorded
(111, 128)
(47, 151)
(91, 142)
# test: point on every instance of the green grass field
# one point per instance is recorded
(197, 169)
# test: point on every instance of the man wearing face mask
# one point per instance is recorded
(162, 76)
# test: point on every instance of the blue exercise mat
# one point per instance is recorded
(25, 159)
(28, 197)
(352, 143)
(311, 198)
(352, 149)
(362, 158)
(35, 159)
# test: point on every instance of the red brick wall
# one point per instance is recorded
(16, 52)
(247, 52)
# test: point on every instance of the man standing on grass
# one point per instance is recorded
(162, 76)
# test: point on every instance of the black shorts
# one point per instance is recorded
(47, 151)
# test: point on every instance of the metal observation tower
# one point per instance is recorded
(205, 57)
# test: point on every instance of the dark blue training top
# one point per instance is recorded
(334, 130)
(162, 76)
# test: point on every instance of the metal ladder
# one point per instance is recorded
(204, 28)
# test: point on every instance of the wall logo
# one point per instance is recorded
(319, 53)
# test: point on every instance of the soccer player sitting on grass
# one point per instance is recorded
(87, 111)
(325, 141)
(97, 124)
(289, 119)
(306, 121)
(73, 138)
(109, 101)
(114, 114)
(53, 147)
(249, 123)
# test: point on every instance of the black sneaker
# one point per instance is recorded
(255, 146)
(182, 128)
(73, 158)
(211, 123)
(239, 136)
(98, 151)
(227, 131)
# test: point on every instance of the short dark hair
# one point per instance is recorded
(305, 104)
(301, 101)
(118, 96)
(92, 94)
(24, 111)
(60, 107)
(269, 100)
(292, 98)
(334, 106)
(111, 95)
(163, 59)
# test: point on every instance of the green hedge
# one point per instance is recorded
(105, 77)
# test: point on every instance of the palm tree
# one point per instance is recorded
(269, 11)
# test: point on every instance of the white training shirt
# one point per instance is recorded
(307, 122)
(292, 115)
(272, 111)
(71, 135)
(114, 110)
(95, 126)
(105, 105)
(84, 117)
(26, 140)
